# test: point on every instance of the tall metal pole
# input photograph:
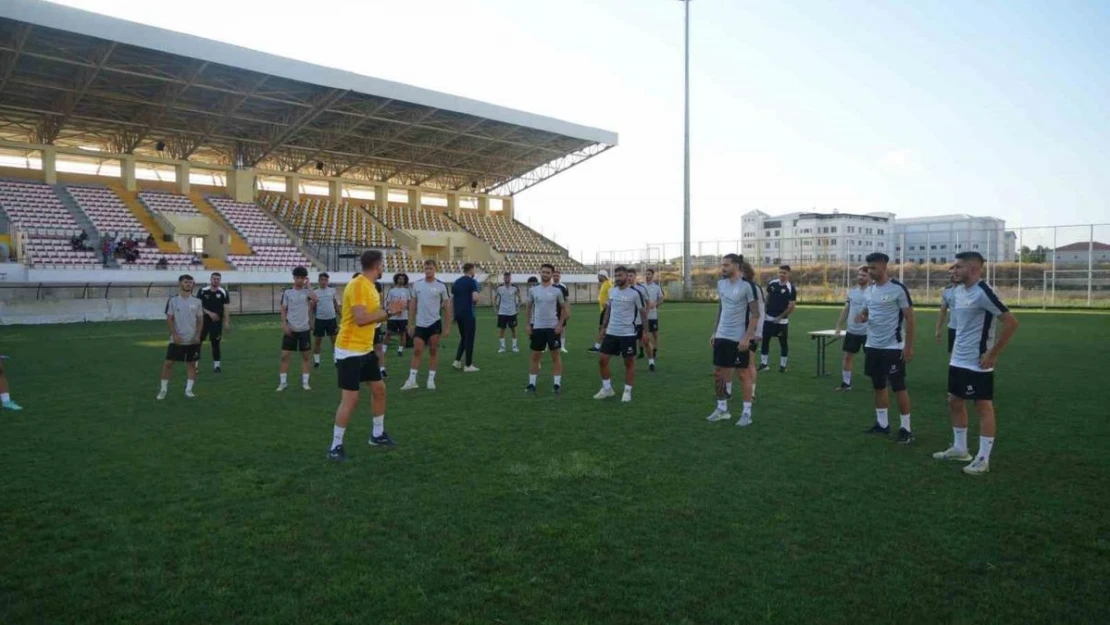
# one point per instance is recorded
(687, 277)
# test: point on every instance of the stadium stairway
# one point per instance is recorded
(295, 239)
(236, 244)
(83, 221)
(131, 200)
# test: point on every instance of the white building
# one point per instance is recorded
(938, 239)
(810, 238)
(1082, 253)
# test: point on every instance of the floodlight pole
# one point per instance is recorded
(687, 284)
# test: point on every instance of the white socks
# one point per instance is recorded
(216, 364)
(558, 380)
(514, 343)
(412, 375)
(283, 377)
(431, 376)
(722, 405)
(532, 379)
(747, 407)
(502, 343)
(959, 438)
(847, 376)
(337, 436)
(763, 360)
(165, 384)
(304, 379)
(6, 397)
(316, 358)
(782, 361)
(905, 422)
(986, 444)
(880, 416)
(189, 385)
(379, 425)
(607, 385)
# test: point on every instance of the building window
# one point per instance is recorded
(776, 233)
(898, 248)
(932, 247)
(974, 246)
(832, 241)
(943, 247)
(833, 230)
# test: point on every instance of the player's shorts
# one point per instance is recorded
(506, 321)
(639, 331)
(426, 334)
(728, 355)
(653, 325)
(355, 370)
(183, 353)
(968, 384)
(213, 330)
(545, 338)
(951, 339)
(772, 329)
(326, 327)
(854, 342)
(624, 346)
(297, 342)
(882, 365)
(397, 326)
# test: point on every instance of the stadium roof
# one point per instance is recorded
(74, 78)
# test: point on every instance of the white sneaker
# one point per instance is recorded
(953, 453)
(626, 397)
(431, 385)
(978, 467)
(281, 387)
(306, 387)
(457, 365)
(471, 369)
(501, 350)
(410, 384)
(161, 394)
(564, 350)
(745, 420)
(189, 393)
(516, 350)
(604, 393)
(719, 415)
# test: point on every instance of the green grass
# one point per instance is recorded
(501, 508)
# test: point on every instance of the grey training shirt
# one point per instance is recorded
(298, 304)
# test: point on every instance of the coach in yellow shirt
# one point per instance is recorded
(356, 361)
(602, 302)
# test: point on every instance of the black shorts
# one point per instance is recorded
(506, 321)
(355, 370)
(882, 365)
(183, 353)
(653, 325)
(326, 327)
(545, 338)
(951, 339)
(728, 355)
(213, 330)
(854, 342)
(968, 384)
(426, 334)
(297, 342)
(772, 329)
(624, 346)
(397, 326)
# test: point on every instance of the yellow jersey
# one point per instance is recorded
(603, 294)
(354, 339)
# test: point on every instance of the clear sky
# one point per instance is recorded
(919, 108)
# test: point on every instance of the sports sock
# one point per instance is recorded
(216, 363)
(316, 358)
(304, 379)
(753, 390)
(337, 436)
(283, 377)
(722, 405)
(651, 361)
(502, 343)
(558, 380)
(847, 376)
(959, 438)
(782, 361)
(986, 444)
(532, 379)
(514, 342)
(165, 384)
(747, 407)
(431, 376)
(763, 360)
(880, 416)
(189, 385)
(905, 422)
(607, 385)
(379, 425)
(627, 389)
(412, 375)
(6, 397)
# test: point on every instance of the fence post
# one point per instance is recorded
(1054, 232)
(1090, 263)
(1021, 241)
(1044, 290)
(929, 265)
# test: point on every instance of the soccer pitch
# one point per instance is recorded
(497, 507)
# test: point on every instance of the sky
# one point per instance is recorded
(917, 108)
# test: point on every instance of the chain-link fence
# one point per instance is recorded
(1055, 266)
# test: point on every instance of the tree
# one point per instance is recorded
(1037, 255)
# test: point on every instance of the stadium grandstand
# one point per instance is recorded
(124, 146)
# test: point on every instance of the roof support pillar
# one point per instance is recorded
(381, 196)
(483, 205)
(49, 165)
(335, 192)
(293, 188)
(127, 172)
(508, 209)
(415, 200)
(240, 185)
(183, 171)
(453, 203)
